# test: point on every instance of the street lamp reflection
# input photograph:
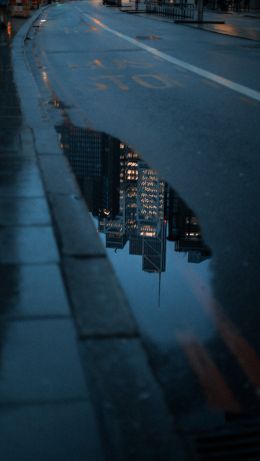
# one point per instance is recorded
(9, 29)
(44, 76)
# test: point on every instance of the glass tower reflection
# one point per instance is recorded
(130, 201)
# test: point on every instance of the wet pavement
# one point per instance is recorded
(154, 242)
(240, 25)
(43, 393)
(235, 24)
(65, 393)
(166, 368)
(233, 30)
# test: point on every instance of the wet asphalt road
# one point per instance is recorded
(202, 136)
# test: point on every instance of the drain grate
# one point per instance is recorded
(236, 443)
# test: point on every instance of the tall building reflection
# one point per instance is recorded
(184, 229)
(131, 203)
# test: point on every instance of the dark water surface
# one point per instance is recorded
(152, 237)
(154, 242)
(201, 345)
(200, 348)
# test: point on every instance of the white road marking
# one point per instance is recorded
(241, 89)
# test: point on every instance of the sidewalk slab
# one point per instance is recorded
(24, 211)
(9, 140)
(45, 411)
(32, 291)
(39, 362)
(19, 177)
(49, 432)
(27, 245)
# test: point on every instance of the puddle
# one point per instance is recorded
(154, 242)
(150, 234)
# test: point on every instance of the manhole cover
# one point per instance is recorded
(147, 37)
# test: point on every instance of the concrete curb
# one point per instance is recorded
(75, 232)
(25, 82)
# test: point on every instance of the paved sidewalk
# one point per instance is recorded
(237, 25)
(45, 408)
(75, 382)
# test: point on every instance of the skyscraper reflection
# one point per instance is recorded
(130, 201)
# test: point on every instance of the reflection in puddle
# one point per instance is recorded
(130, 201)
(152, 237)
(154, 242)
(141, 219)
